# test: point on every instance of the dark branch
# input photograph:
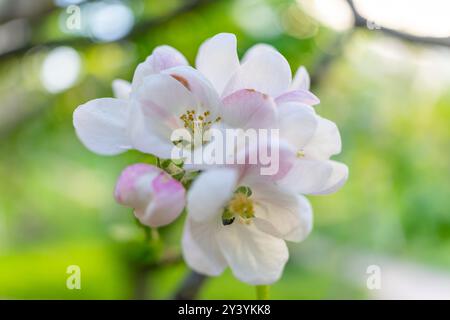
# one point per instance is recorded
(325, 60)
(361, 22)
(138, 30)
(190, 287)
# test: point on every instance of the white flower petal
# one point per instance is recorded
(202, 90)
(290, 221)
(217, 59)
(301, 80)
(249, 109)
(210, 192)
(101, 125)
(325, 142)
(297, 123)
(164, 99)
(281, 213)
(200, 248)
(121, 89)
(337, 178)
(254, 257)
(148, 135)
(263, 69)
(162, 57)
(307, 176)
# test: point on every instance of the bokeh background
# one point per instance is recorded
(381, 69)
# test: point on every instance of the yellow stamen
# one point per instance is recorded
(242, 206)
(300, 154)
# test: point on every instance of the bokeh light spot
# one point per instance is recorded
(60, 69)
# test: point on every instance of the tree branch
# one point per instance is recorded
(190, 286)
(361, 22)
(138, 30)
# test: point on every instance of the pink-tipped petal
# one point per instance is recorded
(156, 197)
(168, 201)
(162, 58)
(249, 109)
(126, 186)
(274, 161)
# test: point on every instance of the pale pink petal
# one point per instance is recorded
(127, 184)
(101, 125)
(163, 57)
(263, 69)
(217, 59)
(300, 96)
(274, 161)
(156, 197)
(200, 248)
(168, 201)
(254, 257)
(249, 109)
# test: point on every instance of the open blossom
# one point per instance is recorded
(240, 219)
(105, 125)
(156, 197)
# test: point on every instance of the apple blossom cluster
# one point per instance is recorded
(237, 217)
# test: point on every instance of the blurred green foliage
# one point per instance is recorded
(56, 204)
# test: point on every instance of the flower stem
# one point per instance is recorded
(151, 234)
(262, 292)
(155, 234)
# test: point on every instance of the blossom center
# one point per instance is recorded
(240, 206)
(197, 122)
